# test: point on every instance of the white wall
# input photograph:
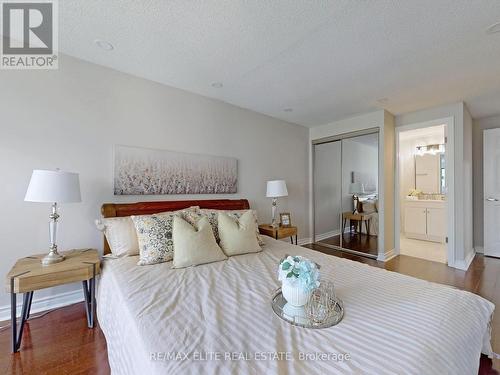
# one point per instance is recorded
(71, 118)
(387, 171)
(429, 114)
(360, 122)
(477, 157)
(467, 193)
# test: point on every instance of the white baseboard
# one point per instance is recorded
(329, 234)
(388, 255)
(308, 240)
(479, 249)
(304, 241)
(300, 241)
(43, 303)
(464, 264)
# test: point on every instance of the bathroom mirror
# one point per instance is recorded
(430, 173)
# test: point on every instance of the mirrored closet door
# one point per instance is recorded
(328, 193)
(346, 193)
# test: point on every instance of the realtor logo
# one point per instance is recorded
(29, 35)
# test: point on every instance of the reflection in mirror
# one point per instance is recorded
(360, 194)
(430, 169)
(442, 173)
(327, 192)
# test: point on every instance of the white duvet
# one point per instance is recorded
(217, 319)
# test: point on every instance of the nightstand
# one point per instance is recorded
(28, 275)
(358, 219)
(280, 232)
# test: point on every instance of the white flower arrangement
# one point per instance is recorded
(299, 271)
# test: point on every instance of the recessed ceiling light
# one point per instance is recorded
(493, 29)
(288, 110)
(217, 85)
(107, 46)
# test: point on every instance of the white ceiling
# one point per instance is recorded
(325, 59)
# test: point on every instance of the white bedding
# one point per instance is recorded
(393, 324)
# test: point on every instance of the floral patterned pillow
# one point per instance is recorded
(193, 216)
(154, 233)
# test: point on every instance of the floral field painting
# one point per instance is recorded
(142, 171)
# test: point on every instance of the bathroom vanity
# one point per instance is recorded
(425, 219)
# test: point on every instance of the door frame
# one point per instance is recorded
(450, 183)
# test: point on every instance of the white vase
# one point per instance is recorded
(295, 314)
(295, 295)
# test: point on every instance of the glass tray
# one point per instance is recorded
(297, 315)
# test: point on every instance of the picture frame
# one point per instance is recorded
(285, 219)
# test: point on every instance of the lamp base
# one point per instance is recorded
(274, 221)
(355, 199)
(52, 257)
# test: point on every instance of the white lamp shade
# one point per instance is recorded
(276, 188)
(53, 186)
(356, 188)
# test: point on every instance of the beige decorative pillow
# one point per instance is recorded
(213, 215)
(194, 246)
(369, 206)
(237, 236)
(121, 235)
(154, 233)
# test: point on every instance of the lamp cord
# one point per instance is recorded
(2, 328)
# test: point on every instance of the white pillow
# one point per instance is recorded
(237, 236)
(121, 235)
(155, 236)
(194, 246)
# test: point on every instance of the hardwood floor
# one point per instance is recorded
(57, 343)
(360, 242)
(61, 343)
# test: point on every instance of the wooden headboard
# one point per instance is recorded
(148, 208)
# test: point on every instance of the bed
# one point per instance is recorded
(217, 318)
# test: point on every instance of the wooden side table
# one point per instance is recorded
(28, 275)
(359, 218)
(280, 232)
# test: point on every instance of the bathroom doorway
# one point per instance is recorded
(424, 179)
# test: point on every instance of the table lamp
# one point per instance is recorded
(276, 189)
(53, 186)
(356, 188)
